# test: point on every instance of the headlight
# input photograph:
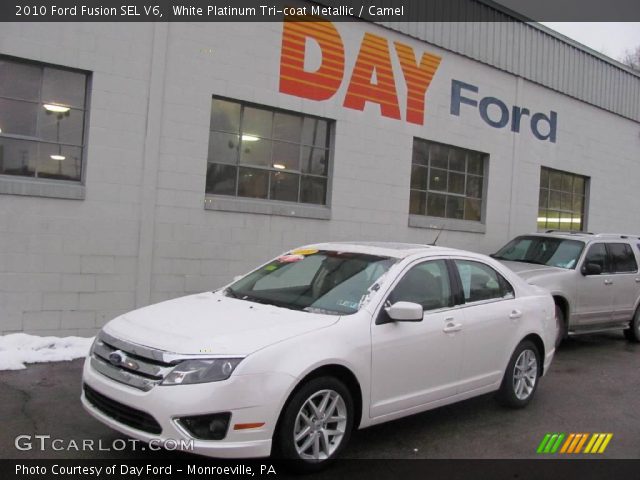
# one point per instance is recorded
(201, 371)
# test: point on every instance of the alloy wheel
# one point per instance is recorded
(525, 374)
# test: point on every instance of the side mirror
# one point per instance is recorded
(405, 312)
(591, 269)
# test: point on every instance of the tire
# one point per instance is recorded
(517, 390)
(561, 326)
(633, 332)
(304, 412)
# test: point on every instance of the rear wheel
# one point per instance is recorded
(521, 377)
(633, 332)
(316, 424)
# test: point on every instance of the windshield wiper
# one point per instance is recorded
(267, 301)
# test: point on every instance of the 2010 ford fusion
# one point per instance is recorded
(289, 359)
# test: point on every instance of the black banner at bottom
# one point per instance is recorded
(203, 468)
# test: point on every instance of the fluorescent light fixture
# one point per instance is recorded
(49, 107)
(249, 138)
(57, 157)
(279, 166)
(561, 220)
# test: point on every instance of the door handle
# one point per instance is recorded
(452, 327)
(608, 282)
(637, 280)
(515, 314)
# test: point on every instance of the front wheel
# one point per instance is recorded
(316, 423)
(561, 326)
(633, 332)
(521, 377)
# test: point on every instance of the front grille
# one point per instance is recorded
(134, 365)
(122, 413)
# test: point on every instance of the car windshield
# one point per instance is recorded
(554, 252)
(314, 281)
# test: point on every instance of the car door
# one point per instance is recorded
(625, 278)
(594, 295)
(415, 363)
(490, 317)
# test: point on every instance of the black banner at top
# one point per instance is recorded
(334, 10)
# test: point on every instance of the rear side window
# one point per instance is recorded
(622, 258)
(481, 282)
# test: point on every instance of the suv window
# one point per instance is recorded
(622, 258)
(426, 284)
(555, 252)
(481, 282)
(597, 254)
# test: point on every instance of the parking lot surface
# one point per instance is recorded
(593, 386)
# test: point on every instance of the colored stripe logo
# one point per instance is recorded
(573, 443)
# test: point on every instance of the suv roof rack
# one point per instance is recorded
(618, 235)
(569, 232)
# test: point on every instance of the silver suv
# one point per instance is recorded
(594, 279)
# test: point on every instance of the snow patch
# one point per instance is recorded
(16, 349)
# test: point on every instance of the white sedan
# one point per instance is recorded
(290, 358)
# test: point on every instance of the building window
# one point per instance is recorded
(446, 181)
(562, 200)
(260, 152)
(42, 117)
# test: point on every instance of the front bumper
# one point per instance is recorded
(249, 398)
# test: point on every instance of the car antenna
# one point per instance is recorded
(433, 244)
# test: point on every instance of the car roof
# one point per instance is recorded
(586, 236)
(385, 249)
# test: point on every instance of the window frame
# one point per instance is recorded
(268, 206)
(585, 200)
(613, 265)
(504, 283)
(43, 186)
(449, 223)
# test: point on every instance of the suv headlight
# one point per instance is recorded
(201, 371)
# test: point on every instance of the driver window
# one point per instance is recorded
(597, 254)
(426, 284)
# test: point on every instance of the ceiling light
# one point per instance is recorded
(49, 107)
(249, 138)
(57, 157)
(279, 166)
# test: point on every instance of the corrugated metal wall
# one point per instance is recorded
(527, 50)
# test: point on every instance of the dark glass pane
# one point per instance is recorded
(18, 117)
(419, 177)
(417, 202)
(61, 127)
(566, 222)
(475, 163)
(221, 179)
(62, 87)
(578, 204)
(286, 155)
(566, 202)
(457, 159)
(284, 186)
(472, 209)
(18, 157)
(225, 116)
(543, 201)
(456, 183)
(474, 186)
(314, 132)
(552, 219)
(253, 183)
(455, 207)
(436, 204)
(542, 219)
(315, 160)
(287, 127)
(420, 153)
(578, 185)
(577, 222)
(567, 183)
(59, 162)
(223, 148)
(438, 179)
(555, 200)
(256, 122)
(256, 151)
(438, 156)
(555, 180)
(544, 178)
(313, 190)
(20, 80)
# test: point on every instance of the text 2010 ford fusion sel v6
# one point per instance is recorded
(323, 339)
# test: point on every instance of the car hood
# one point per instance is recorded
(530, 271)
(214, 324)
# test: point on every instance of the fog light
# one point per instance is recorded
(207, 427)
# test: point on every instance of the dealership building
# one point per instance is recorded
(145, 161)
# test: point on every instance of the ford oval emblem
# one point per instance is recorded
(116, 358)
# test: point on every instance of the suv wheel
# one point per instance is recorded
(561, 326)
(633, 332)
(521, 377)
